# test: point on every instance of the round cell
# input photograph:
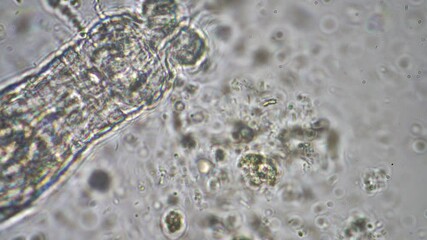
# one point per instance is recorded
(99, 180)
(322, 223)
(358, 226)
(278, 35)
(189, 49)
(179, 106)
(328, 24)
(242, 132)
(419, 146)
(204, 166)
(374, 180)
(258, 170)
(338, 192)
(130, 141)
(318, 208)
(416, 129)
(173, 223)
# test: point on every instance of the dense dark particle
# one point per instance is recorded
(188, 141)
(242, 132)
(99, 180)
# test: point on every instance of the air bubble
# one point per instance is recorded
(329, 24)
(322, 223)
(419, 146)
(318, 208)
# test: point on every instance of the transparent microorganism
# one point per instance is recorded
(360, 226)
(173, 223)
(374, 180)
(109, 74)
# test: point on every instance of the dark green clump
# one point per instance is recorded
(174, 221)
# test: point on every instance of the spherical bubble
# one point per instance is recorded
(322, 223)
(338, 192)
(173, 223)
(318, 208)
(89, 220)
(419, 146)
(328, 24)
